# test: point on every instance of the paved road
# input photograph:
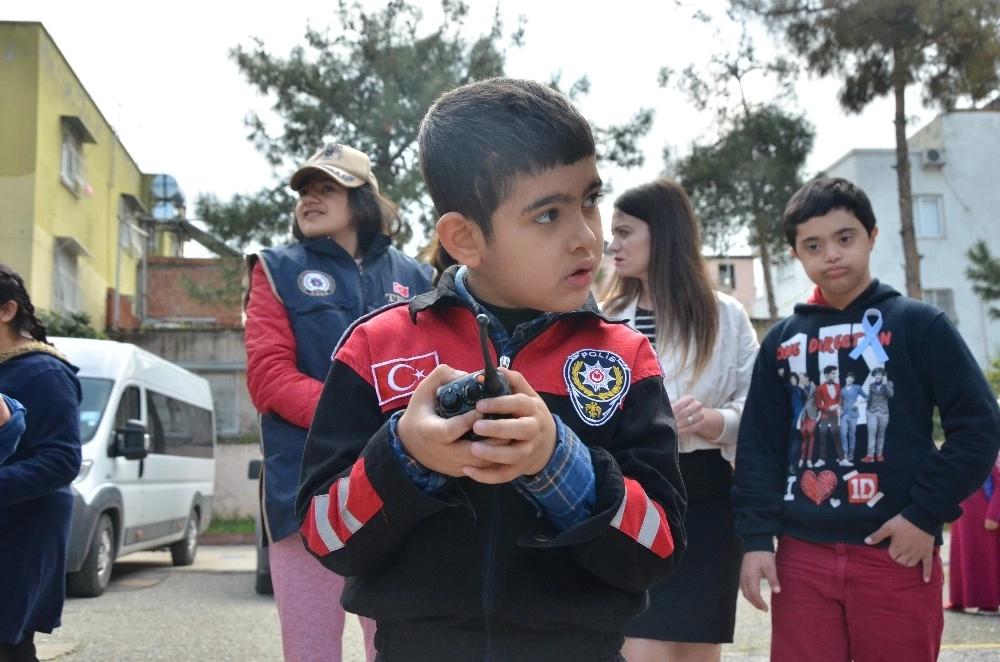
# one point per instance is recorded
(153, 611)
(209, 611)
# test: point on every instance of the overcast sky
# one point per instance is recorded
(161, 75)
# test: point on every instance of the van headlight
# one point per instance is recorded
(84, 470)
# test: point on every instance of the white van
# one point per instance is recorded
(148, 472)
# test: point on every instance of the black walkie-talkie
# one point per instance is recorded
(457, 397)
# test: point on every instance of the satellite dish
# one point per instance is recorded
(164, 187)
(165, 211)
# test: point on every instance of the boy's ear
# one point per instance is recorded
(461, 237)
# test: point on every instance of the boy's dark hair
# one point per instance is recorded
(12, 289)
(878, 371)
(478, 138)
(828, 369)
(819, 197)
(850, 374)
(371, 213)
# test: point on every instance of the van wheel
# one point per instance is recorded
(95, 573)
(183, 551)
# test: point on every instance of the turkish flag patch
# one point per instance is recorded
(400, 289)
(398, 378)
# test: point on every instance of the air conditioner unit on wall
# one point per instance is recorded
(933, 158)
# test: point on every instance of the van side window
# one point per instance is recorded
(128, 407)
(179, 428)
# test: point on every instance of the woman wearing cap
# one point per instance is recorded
(302, 297)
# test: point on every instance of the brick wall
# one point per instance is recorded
(194, 291)
(127, 319)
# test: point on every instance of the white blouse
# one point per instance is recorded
(724, 382)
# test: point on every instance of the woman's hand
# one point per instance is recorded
(694, 418)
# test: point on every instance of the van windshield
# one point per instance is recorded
(95, 400)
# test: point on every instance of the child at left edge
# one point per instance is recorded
(471, 550)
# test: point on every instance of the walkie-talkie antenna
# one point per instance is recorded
(491, 377)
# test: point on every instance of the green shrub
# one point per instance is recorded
(237, 525)
(73, 325)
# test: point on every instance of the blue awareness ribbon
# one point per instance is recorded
(871, 336)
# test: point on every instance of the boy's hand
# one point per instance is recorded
(909, 546)
(433, 441)
(517, 446)
(758, 566)
(4, 412)
(990, 524)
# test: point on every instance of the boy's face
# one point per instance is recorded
(834, 249)
(546, 243)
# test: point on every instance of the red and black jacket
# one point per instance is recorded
(477, 565)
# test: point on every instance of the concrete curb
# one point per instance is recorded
(227, 539)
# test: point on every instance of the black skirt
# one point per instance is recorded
(697, 603)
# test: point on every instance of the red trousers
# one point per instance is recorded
(840, 602)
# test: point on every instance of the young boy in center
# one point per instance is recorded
(857, 573)
(539, 540)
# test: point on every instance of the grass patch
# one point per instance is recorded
(235, 525)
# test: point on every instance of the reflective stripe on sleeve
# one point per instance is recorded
(643, 520)
(335, 516)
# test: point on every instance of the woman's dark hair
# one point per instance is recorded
(371, 213)
(12, 289)
(684, 303)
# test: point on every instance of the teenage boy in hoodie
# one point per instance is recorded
(857, 573)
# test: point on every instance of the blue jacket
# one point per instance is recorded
(36, 502)
(324, 290)
(11, 431)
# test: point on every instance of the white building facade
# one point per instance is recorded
(955, 175)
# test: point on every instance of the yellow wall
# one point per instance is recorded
(18, 75)
(37, 88)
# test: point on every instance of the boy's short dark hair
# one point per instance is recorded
(478, 138)
(878, 371)
(828, 369)
(820, 196)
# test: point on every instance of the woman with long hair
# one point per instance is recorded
(707, 348)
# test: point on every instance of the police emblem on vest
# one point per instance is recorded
(316, 283)
(596, 381)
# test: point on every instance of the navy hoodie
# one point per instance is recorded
(928, 365)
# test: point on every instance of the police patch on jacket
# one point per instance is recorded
(316, 283)
(596, 381)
